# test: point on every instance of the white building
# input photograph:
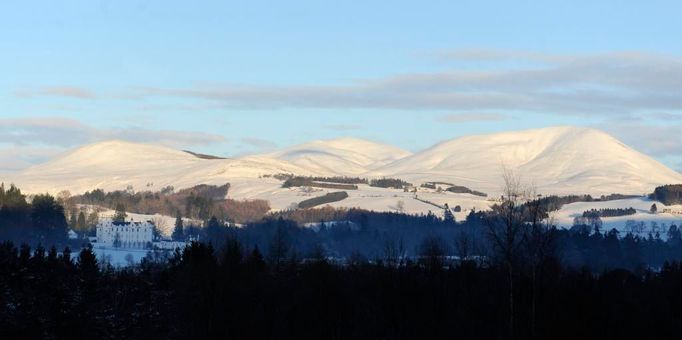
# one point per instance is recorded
(125, 234)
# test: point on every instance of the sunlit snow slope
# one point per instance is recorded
(557, 160)
(343, 156)
(115, 165)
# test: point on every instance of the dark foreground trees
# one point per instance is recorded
(42, 220)
(234, 293)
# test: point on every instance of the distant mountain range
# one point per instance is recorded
(559, 160)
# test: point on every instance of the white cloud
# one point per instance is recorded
(13, 157)
(69, 132)
(611, 84)
(58, 91)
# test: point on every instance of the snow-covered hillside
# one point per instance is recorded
(559, 160)
(115, 165)
(652, 222)
(343, 156)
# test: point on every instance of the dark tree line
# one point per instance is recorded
(324, 199)
(609, 212)
(668, 194)
(344, 183)
(238, 292)
(555, 202)
(41, 220)
(394, 183)
(458, 189)
(385, 236)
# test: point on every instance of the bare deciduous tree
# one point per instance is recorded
(64, 198)
(520, 230)
(538, 243)
(505, 230)
(394, 251)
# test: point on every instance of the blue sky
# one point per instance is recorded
(237, 77)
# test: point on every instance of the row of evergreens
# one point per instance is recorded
(238, 292)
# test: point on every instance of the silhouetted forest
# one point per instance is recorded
(668, 194)
(609, 212)
(343, 183)
(458, 189)
(325, 199)
(389, 183)
(553, 202)
(238, 292)
(41, 220)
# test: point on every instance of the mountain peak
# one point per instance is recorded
(562, 159)
(558, 160)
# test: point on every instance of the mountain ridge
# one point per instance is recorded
(563, 157)
(558, 160)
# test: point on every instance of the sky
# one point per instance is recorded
(239, 77)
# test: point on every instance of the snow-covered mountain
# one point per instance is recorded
(558, 160)
(115, 165)
(343, 156)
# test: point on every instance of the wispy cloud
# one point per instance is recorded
(611, 84)
(58, 91)
(654, 140)
(472, 117)
(14, 157)
(69, 132)
(497, 55)
(617, 84)
(665, 116)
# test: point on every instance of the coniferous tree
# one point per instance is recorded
(120, 214)
(448, 216)
(178, 231)
(654, 208)
(81, 224)
(279, 247)
(87, 262)
(73, 219)
(48, 218)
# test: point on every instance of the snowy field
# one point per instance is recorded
(119, 257)
(366, 197)
(662, 220)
